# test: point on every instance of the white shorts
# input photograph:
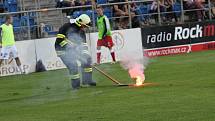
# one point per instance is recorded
(8, 52)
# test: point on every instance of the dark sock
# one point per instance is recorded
(113, 56)
(98, 57)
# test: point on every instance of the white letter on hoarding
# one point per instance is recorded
(159, 37)
(148, 38)
(186, 33)
(164, 36)
(178, 31)
(199, 31)
(153, 39)
(169, 37)
(192, 34)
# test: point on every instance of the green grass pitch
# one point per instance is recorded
(186, 92)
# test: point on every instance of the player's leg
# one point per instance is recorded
(5, 53)
(14, 52)
(1, 58)
(19, 65)
(87, 69)
(112, 55)
(1, 61)
(99, 44)
(109, 41)
(98, 54)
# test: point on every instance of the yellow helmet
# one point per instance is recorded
(83, 19)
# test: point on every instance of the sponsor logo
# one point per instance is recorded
(10, 70)
(167, 51)
(179, 49)
(118, 40)
(54, 65)
(186, 33)
(161, 37)
(183, 33)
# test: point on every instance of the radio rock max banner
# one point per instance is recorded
(177, 39)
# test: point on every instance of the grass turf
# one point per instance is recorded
(185, 93)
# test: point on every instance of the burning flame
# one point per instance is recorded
(137, 73)
(139, 80)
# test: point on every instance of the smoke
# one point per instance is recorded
(76, 49)
(134, 65)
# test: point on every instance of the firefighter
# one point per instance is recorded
(72, 48)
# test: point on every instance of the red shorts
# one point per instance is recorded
(106, 41)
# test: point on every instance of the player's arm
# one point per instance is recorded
(61, 36)
(107, 26)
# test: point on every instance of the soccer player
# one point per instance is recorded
(104, 36)
(71, 47)
(8, 43)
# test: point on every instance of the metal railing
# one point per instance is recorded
(35, 22)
